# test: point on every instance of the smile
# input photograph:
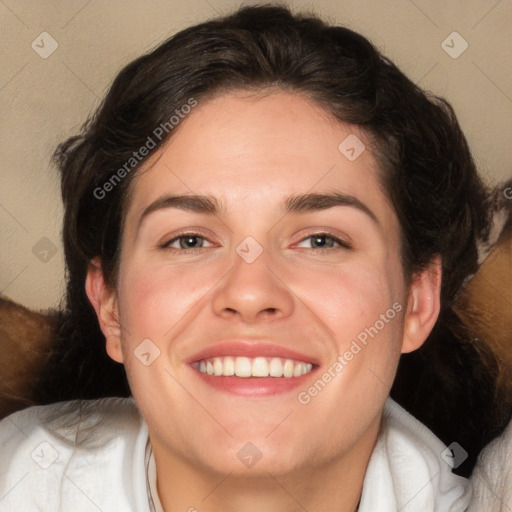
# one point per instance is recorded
(244, 367)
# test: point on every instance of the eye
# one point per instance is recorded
(323, 241)
(186, 241)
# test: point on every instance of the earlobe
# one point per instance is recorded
(104, 302)
(424, 304)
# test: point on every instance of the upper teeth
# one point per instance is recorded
(254, 367)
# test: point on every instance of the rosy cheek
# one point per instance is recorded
(357, 289)
(154, 298)
(140, 292)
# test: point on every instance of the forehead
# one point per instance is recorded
(249, 150)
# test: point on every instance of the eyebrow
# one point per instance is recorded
(198, 204)
(302, 203)
(305, 203)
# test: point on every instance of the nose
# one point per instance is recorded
(253, 292)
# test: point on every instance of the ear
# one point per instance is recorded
(423, 306)
(104, 301)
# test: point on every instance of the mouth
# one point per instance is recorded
(252, 369)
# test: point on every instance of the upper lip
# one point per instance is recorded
(252, 348)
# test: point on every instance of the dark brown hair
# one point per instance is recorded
(427, 172)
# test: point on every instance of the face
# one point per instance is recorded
(260, 290)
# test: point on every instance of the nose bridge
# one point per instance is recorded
(252, 288)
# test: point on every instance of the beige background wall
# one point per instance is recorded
(44, 100)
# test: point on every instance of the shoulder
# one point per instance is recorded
(411, 469)
(492, 476)
(79, 453)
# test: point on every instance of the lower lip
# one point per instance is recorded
(254, 386)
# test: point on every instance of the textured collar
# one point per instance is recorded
(407, 472)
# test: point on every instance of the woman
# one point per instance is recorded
(264, 214)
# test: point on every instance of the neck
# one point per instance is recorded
(332, 486)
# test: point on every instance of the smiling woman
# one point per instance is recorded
(307, 223)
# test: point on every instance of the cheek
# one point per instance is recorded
(350, 298)
(157, 302)
(363, 308)
(154, 297)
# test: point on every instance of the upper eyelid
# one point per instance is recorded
(190, 231)
(338, 239)
(183, 235)
(342, 237)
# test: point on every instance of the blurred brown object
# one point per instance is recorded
(486, 305)
(25, 344)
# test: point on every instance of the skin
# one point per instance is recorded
(251, 152)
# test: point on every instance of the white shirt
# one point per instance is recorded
(492, 476)
(95, 455)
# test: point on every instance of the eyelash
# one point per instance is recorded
(342, 244)
(182, 236)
